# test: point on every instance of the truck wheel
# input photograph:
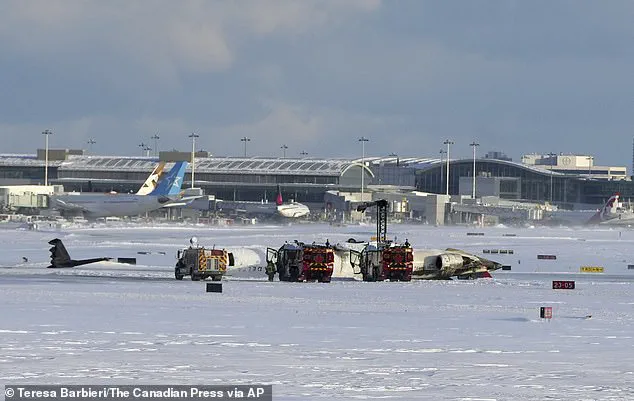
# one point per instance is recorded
(178, 275)
(195, 277)
(216, 278)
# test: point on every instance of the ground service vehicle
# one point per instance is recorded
(383, 259)
(301, 262)
(380, 261)
(201, 263)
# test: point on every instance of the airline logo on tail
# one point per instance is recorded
(152, 181)
(604, 213)
(171, 183)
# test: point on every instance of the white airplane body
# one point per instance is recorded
(611, 214)
(93, 205)
(108, 205)
(293, 210)
(290, 210)
(428, 264)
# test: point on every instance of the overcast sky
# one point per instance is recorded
(515, 76)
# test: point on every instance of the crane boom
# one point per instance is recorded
(381, 217)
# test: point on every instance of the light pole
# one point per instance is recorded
(589, 166)
(474, 145)
(156, 137)
(284, 147)
(193, 136)
(448, 142)
(397, 159)
(245, 140)
(442, 170)
(91, 142)
(142, 146)
(363, 140)
(46, 133)
(147, 150)
(303, 153)
(552, 163)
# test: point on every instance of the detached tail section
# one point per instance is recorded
(170, 184)
(152, 181)
(604, 213)
(60, 257)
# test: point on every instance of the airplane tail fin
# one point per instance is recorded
(279, 200)
(150, 184)
(59, 254)
(604, 213)
(171, 183)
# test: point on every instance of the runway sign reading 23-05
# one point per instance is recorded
(563, 285)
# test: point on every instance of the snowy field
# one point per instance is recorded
(426, 340)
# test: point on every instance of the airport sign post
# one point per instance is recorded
(546, 312)
(591, 269)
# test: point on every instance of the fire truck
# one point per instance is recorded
(301, 262)
(201, 263)
(383, 259)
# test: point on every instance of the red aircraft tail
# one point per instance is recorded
(279, 200)
(603, 213)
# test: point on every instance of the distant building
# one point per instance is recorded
(580, 165)
(494, 154)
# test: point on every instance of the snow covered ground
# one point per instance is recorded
(431, 340)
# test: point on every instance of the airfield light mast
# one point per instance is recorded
(245, 140)
(156, 137)
(91, 142)
(473, 145)
(193, 136)
(448, 142)
(46, 133)
(363, 140)
(552, 160)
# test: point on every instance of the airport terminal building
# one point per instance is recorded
(307, 180)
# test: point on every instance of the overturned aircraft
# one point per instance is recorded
(428, 264)
(442, 265)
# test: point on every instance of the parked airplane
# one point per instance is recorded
(152, 181)
(612, 213)
(291, 209)
(93, 205)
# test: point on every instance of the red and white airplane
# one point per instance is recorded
(292, 209)
(612, 213)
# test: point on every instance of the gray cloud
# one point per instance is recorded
(515, 76)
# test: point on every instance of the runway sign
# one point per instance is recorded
(506, 267)
(547, 257)
(214, 287)
(546, 312)
(509, 235)
(630, 267)
(591, 269)
(563, 285)
(129, 261)
(502, 251)
(475, 233)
